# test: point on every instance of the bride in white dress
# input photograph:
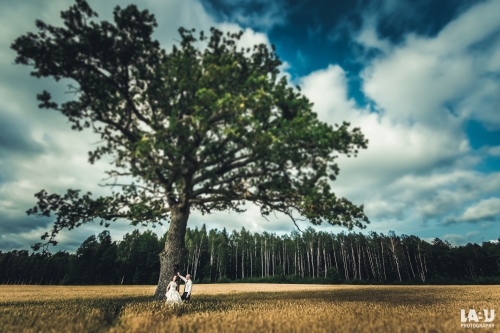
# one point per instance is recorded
(172, 294)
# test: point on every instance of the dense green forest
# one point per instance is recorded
(219, 256)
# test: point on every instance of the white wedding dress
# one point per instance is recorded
(172, 294)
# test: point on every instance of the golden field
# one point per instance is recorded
(245, 308)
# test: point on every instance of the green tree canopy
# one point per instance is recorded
(203, 128)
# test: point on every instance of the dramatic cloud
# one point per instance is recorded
(262, 14)
(412, 83)
(484, 210)
(419, 166)
(443, 80)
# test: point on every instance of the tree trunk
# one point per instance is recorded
(243, 261)
(174, 253)
(261, 260)
(324, 258)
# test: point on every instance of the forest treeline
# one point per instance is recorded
(219, 256)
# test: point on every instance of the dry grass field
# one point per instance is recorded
(245, 308)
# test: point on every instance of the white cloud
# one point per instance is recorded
(454, 239)
(494, 151)
(419, 79)
(486, 224)
(444, 193)
(461, 239)
(395, 149)
(249, 37)
(419, 164)
(369, 38)
(483, 210)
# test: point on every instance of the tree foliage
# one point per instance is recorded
(207, 126)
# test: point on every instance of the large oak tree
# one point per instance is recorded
(207, 126)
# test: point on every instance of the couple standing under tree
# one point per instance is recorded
(172, 294)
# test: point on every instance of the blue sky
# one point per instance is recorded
(421, 79)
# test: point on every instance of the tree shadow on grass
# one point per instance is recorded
(110, 309)
(390, 296)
